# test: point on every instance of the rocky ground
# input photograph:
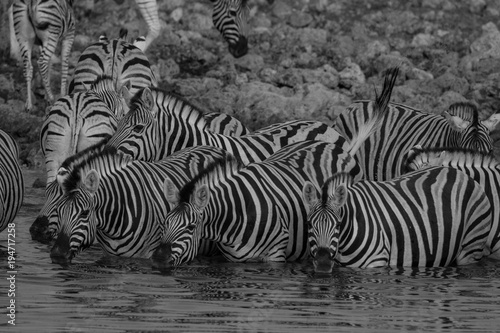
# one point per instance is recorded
(308, 59)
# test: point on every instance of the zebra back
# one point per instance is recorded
(11, 180)
(253, 212)
(117, 101)
(483, 168)
(74, 122)
(124, 62)
(383, 154)
(120, 202)
(433, 217)
(225, 124)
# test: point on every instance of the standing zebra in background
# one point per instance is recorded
(484, 169)
(257, 212)
(119, 201)
(230, 17)
(125, 63)
(160, 123)
(383, 154)
(434, 217)
(44, 22)
(11, 180)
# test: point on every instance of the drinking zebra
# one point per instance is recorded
(11, 180)
(483, 168)
(160, 123)
(383, 154)
(124, 62)
(44, 22)
(120, 202)
(256, 212)
(433, 217)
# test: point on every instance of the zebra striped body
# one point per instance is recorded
(433, 217)
(45, 23)
(159, 124)
(225, 124)
(383, 154)
(74, 122)
(257, 212)
(120, 201)
(104, 88)
(484, 169)
(254, 212)
(11, 180)
(124, 62)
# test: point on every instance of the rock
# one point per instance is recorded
(177, 14)
(281, 9)
(422, 40)
(488, 45)
(351, 75)
(199, 22)
(300, 19)
(250, 61)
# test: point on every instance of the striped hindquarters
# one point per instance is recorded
(11, 180)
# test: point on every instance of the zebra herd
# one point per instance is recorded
(144, 173)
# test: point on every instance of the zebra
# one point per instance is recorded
(11, 180)
(125, 63)
(483, 168)
(44, 22)
(225, 124)
(433, 217)
(117, 101)
(383, 154)
(119, 201)
(230, 17)
(160, 123)
(256, 212)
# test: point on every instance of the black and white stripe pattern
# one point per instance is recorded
(44, 22)
(120, 202)
(125, 63)
(11, 180)
(383, 154)
(484, 169)
(159, 124)
(231, 19)
(432, 217)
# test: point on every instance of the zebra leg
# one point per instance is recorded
(67, 43)
(44, 62)
(149, 11)
(25, 35)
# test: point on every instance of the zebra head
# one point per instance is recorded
(324, 220)
(181, 227)
(231, 19)
(76, 212)
(138, 129)
(46, 225)
(470, 132)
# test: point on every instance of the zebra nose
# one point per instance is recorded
(39, 230)
(323, 261)
(61, 253)
(240, 48)
(162, 257)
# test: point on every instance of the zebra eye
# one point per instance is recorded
(233, 12)
(84, 214)
(138, 128)
(191, 227)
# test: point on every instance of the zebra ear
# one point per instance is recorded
(62, 174)
(201, 196)
(310, 194)
(340, 195)
(91, 181)
(456, 122)
(148, 101)
(125, 92)
(492, 121)
(171, 191)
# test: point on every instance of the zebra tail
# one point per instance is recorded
(14, 44)
(380, 109)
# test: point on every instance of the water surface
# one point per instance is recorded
(100, 293)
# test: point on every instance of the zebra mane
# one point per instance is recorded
(218, 169)
(173, 103)
(465, 110)
(104, 159)
(328, 188)
(454, 156)
(103, 80)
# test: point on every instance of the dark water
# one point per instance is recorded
(106, 294)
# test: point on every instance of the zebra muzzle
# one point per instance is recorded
(162, 257)
(61, 252)
(324, 260)
(39, 230)
(240, 48)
